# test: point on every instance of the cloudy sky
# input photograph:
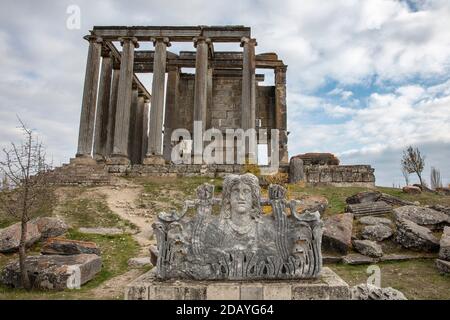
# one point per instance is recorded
(365, 78)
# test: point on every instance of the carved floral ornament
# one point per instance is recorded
(240, 242)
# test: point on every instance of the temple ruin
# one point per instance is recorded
(122, 123)
(125, 129)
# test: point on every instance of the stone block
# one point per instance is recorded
(223, 291)
(252, 292)
(190, 292)
(69, 247)
(443, 266)
(277, 291)
(54, 272)
(162, 292)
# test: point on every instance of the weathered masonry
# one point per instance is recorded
(122, 123)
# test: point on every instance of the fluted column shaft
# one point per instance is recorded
(133, 123)
(103, 105)
(248, 105)
(280, 112)
(112, 109)
(201, 79)
(138, 132)
(157, 109)
(121, 129)
(145, 119)
(87, 118)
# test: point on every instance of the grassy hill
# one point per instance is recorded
(86, 206)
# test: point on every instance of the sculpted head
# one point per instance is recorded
(241, 195)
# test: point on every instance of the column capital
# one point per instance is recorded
(92, 38)
(166, 40)
(147, 99)
(116, 63)
(196, 40)
(281, 68)
(106, 52)
(247, 40)
(172, 68)
(134, 86)
(132, 39)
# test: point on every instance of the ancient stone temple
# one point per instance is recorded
(123, 123)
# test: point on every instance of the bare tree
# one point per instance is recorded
(405, 175)
(27, 192)
(413, 162)
(435, 178)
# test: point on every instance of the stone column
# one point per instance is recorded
(133, 123)
(138, 132)
(87, 119)
(248, 104)
(154, 152)
(200, 91)
(103, 105)
(145, 119)
(201, 79)
(209, 99)
(112, 108)
(171, 115)
(280, 112)
(121, 129)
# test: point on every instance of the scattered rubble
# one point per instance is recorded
(337, 234)
(366, 291)
(53, 272)
(368, 248)
(377, 232)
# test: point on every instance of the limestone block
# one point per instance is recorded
(54, 272)
(277, 292)
(252, 292)
(223, 291)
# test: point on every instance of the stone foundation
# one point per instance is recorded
(180, 170)
(340, 175)
(329, 286)
(77, 173)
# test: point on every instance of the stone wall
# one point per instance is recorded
(340, 175)
(181, 170)
(336, 175)
(225, 110)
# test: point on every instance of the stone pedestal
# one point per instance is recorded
(156, 159)
(83, 160)
(118, 160)
(329, 286)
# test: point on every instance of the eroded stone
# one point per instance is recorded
(53, 272)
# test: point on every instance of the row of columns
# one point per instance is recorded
(121, 113)
(114, 127)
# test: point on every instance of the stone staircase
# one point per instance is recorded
(80, 174)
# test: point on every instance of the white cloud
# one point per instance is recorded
(343, 42)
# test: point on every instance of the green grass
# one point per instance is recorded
(116, 250)
(425, 198)
(417, 279)
(84, 209)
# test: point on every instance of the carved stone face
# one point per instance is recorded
(241, 198)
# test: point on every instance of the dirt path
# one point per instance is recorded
(121, 199)
(115, 288)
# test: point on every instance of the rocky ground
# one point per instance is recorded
(118, 219)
